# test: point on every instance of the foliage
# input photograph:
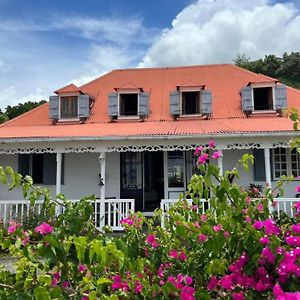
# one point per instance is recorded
(14, 111)
(286, 69)
(236, 250)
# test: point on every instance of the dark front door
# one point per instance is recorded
(153, 180)
(132, 178)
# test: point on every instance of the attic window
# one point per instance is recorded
(68, 107)
(263, 98)
(190, 103)
(128, 104)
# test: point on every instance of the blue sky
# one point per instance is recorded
(46, 44)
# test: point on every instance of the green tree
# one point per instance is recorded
(3, 117)
(14, 111)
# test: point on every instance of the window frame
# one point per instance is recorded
(191, 90)
(289, 162)
(133, 92)
(263, 85)
(61, 119)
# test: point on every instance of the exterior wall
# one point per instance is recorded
(80, 178)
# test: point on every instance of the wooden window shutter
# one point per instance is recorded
(143, 104)
(113, 104)
(24, 164)
(175, 103)
(247, 98)
(206, 102)
(49, 171)
(54, 107)
(280, 97)
(84, 106)
(259, 165)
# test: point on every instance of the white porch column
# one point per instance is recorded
(267, 166)
(58, 172)
(102, 188)
(220, 162)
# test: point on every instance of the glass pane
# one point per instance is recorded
(283, 166)
(69, 107)
(277, 174)
(283, 158)
(294, 166)
(175, 169)
(132, 170)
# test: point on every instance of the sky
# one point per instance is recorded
(45, 45)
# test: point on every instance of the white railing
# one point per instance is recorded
(166, 204)
(111, 213)
(285, 205)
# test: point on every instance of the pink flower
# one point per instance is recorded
(248, 219)
(82, 268)
(202, 237)
(138, 288)
(126, 221)
(211, 144)
(187, 293)
(44, 228)
(238, 296)
(212, 283)
(296, 228)
(297, 206)
(13, 227)
(173, 253)
(203, 218)
(260, 207)
(226, 282)
(297, 189)
(56, 275)
(66, 284)
(198, 150)
(188, 280)
(226, 234)
(264, 240)
(216, 155)
(54, 282)
(182, 256)
(203, 159)
(217, 228)
(151, 240)
(258, 225)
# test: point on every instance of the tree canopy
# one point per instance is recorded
(14, 111)
(285, 68)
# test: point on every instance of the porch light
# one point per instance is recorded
(101, 183)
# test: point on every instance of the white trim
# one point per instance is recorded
(124, 117)
(181, 108)
(60, 119)
(267, 166)
(58, 172)
(263, 85)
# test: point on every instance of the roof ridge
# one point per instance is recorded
(99, 77)
(23, 115)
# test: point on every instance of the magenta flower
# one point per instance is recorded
(297, 189)
(198, 150)
(212, 144)
(217, 228)
(260, 207)
(127, 221)
(212, 283)
(226, 234)
(297, 206)
(182, 256)
(44, 228)
(238, 296)
(296, 228)
(66, 284)
(151, 240)
(203, 159)
(264, 240)
(187, 293)
(82, 268)
(216, 155)
(248, 219)
(258, 225)
(202, 237)
(13, 227)
(188, 280)
(203, 218)
(54, 282)
(138, 288)
(173, 254)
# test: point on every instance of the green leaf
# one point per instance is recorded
(80, 245)
(45, 279)
(41, 293)
(103, 280)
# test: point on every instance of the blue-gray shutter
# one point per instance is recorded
(206, 102)
(247, 98)
(49, 170)
(280, 96)
(84, 106)
(143, 104)
(23, 164)
(175, 103)
(54, 107)
(259, 165)
(113, 104)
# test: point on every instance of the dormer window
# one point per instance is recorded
(128, 104)
(69, 107)
(190, 102)
(263, 97)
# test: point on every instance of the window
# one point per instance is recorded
(285, 162)
(128, 104)
(41, 167)
(175, 169)
(190, 103)
(263, 98)
(69, 107)
(131, 170)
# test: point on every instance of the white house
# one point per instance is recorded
(131, 133)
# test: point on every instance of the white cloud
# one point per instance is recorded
(213, 31)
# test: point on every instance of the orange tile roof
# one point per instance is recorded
(225, 81)
(70, 88)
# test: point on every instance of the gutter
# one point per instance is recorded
(148, 138)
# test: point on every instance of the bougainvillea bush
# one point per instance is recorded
(238, 249)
